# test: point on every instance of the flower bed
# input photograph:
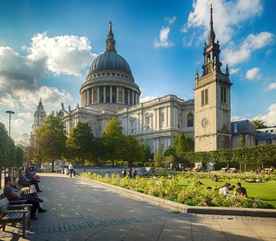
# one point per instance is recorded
(194, 189)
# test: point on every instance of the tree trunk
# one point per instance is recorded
(53, 166)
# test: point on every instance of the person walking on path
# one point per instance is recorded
(71, 169)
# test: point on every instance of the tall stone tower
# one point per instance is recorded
(39, 115)
(212, 99)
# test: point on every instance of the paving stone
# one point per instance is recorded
(82, 211)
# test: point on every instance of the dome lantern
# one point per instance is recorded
(110, 42)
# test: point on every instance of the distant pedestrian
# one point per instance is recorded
(130, 172)
(134, 173)
(241, 190)
(71, 170)
(124, 172)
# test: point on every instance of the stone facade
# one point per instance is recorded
(154, 122)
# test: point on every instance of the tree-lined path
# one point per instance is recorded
(85, 211)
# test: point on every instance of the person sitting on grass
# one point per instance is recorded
(224, 190)
(241, 191)
(14, 196)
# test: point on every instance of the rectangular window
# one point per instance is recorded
(94, 95)
(114, 94)
(101, 95)
(90, 96)
(131, 100)
(206, 97)
(120, 97)
(107, 91)
(126, 96)
(161, 119)
(202, 98)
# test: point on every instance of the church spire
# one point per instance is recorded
(110, 42)
(211, 50)
(212, 35)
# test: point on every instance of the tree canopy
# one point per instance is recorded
(81, 143)
(51, 138)
(259, 124)
(10, 154)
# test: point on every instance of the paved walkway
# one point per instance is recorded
(82, 211)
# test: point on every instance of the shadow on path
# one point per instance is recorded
(92, 212)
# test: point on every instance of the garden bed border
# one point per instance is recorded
(178, 207)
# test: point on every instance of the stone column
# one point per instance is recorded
(98, 95)
(128, 97)
(170, 112)
(104, 94)
(117, 91)
(87, 96)
(110, 93)
(123, 95)
(91, 97)
(82, 104)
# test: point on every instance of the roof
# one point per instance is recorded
(243, 127)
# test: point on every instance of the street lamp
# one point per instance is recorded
(10, 113)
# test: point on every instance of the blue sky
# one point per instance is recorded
(46, 48)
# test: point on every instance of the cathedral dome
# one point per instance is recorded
(110, 81)
(110, 60)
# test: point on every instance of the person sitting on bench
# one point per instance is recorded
(13, 195)
(31, 176)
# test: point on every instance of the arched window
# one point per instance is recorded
(190, 120)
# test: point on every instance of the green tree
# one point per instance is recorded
(131, 151)
(159, 158)
(80, 144)
(259, 124)
(51, 139)
(113, 141)
(181, 145)
(19, 156)
(3, 145)
(148, 155)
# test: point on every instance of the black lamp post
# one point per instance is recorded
(10, 113)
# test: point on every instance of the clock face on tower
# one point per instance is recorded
(204, 123)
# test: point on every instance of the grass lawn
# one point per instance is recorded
(264, 191)
(191, 188)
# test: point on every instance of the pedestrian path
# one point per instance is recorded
(81, 211)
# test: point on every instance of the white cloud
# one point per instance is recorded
(253, 74)
(228, 15)
(271, 86)
(67, 54)
(163, 40)
(17, 72)
(235, 55)
(21, 76)
(270, 116)
(25, 104)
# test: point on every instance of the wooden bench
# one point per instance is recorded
(11, 214)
